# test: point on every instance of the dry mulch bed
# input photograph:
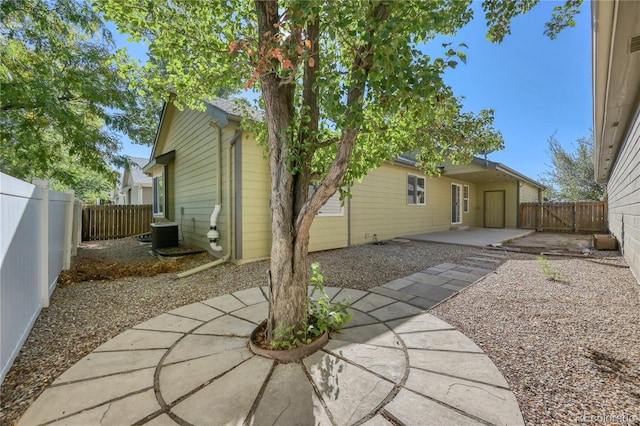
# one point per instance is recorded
(113, 259)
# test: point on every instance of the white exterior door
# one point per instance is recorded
(456, 204)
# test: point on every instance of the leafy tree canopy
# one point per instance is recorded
(68, 172)
(202, 48)
(61, 100)
(572, 176)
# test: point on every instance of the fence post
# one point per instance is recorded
(43, 242)
(77, 227)
(68, 235)
(540, 217)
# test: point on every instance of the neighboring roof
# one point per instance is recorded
(450, 169)
(616, 85)
(135, 170)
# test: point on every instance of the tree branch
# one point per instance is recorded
(363, 62)
(34, 105)
(307, 138)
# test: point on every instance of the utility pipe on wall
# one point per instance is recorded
(213, 233)
(228, 206)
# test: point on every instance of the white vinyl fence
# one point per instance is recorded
(38, 235)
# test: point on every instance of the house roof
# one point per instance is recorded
(222, 110)
(225, 110)
(236, 108)
(135, 170)
(616, 86)
(480, 171)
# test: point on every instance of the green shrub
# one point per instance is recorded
(551, 272)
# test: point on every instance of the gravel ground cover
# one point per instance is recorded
(84, 315)
(570, 349)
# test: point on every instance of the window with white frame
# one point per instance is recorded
(333, 206)
(465, 198)
(416, 190)
(159, 195)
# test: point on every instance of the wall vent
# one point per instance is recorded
(634, 44)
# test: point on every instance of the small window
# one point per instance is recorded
(159, 195)
(416, 190)
(465, 199)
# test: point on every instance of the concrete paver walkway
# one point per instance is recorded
(393, 364)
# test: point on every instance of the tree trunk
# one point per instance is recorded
(288, 267)
(288, 288)
(291, 212)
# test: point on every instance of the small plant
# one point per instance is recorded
(323, 317)
(286, 338)
(551, 272)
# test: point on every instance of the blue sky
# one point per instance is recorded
(536, 86)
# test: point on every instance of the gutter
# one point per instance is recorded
(228, 208)
(605, 17)
(504, 169)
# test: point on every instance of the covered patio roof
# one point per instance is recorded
(480, 170)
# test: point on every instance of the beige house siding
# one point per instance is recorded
(191, 176)
(256, 216)
(329, 232)
(326, 233)
(623, 195)
(470, 218)
(528, 193)
(379, 205)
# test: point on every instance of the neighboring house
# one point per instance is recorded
(192, 171)
(616, 98)
(135, 187)
(116, 197)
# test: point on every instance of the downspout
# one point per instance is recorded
(519, 184)
(349, 216)
(218, 161)
(228, 208)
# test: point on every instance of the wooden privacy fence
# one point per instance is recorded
(105, 222)
(584, 216)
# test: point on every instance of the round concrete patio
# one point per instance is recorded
(393, 364)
